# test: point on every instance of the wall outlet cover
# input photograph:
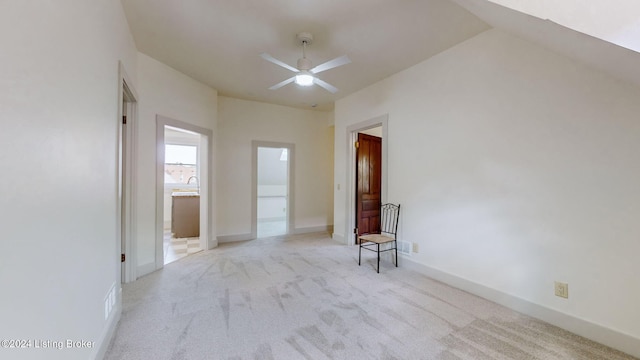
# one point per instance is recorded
(562, 289)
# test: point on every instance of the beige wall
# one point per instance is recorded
(239, 123)
(515, 167)
(163, 91)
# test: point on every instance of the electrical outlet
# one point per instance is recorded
(562, 289)
(109, 302)
(415, 247)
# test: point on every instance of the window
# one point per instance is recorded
(180, 163)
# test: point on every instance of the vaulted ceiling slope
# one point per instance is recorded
(219, 42)
(617, 21)
(615, 60)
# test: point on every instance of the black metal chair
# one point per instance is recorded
(389, 214)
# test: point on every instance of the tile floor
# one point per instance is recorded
(175, 249)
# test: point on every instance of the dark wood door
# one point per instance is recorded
(368, 183)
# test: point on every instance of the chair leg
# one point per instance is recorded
(395, 244)
(378, 258)
(359, 251)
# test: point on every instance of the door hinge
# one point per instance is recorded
(124, 119)
(357, 144)
(121, 257)
(355, 231)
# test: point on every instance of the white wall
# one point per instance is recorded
(59, 115)
(376, 131)
(515, 167)
(240, 122)
(271, 170)
(272, 208)
(164, 91)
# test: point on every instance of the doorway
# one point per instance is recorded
(182, 168)
(191, 182)
(272, 189)
(368, 181)
(127, 106)
(376, 127)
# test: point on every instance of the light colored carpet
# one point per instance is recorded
(305, 297)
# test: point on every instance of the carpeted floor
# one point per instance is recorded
(305, 297)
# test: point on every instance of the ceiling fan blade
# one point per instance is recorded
(330, 88)
(282, 83)
(278, 62)
(339, 61)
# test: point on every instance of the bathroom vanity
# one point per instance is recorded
(185, 215)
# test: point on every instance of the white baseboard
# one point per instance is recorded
(244, 237)
(598, 333)
(339, 238)
(313, 229)
(233, 238)
(109, 330)
(145, 269)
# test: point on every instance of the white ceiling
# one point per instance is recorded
(616, 21)
(219, 42)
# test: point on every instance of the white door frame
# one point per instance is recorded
(126, 176)
(207, 240)
(255, 144)
(352, 137)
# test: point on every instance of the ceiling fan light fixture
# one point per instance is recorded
(304, 79)
(305, 72)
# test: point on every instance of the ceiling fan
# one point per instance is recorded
(305, 73)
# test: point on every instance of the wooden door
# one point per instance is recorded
(368, 183)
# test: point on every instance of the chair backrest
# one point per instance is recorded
(389, 214)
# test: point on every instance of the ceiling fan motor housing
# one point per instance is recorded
(305, 37)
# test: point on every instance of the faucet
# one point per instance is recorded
(197, 182)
